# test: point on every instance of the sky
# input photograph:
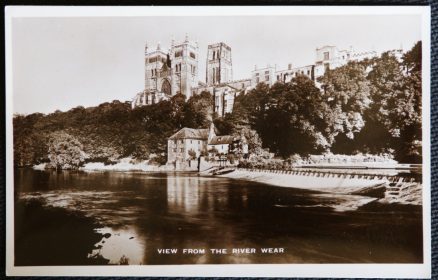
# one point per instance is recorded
(59, 63)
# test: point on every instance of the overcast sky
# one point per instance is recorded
(61, 63)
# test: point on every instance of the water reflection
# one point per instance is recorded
(141, 213)
(120, 246)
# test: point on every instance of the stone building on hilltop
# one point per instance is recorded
(168, 73)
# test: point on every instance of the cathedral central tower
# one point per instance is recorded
(219, 64)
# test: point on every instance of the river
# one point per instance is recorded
(131, 216)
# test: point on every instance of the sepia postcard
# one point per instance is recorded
(218, 141)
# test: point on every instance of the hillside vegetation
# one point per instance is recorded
(371, 106)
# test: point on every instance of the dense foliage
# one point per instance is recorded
(107, 132)
(371, 106)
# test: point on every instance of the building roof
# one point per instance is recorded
(224, 139)
(190, 133)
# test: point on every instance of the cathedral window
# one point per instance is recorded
(218, 75)
(178, 53)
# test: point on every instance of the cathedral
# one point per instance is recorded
(176, 71)
(168, 73)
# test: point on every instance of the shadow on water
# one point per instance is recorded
(127, 217)
(53, 236)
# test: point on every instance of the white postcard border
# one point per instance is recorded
(260, 270)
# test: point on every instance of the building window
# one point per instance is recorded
(174, 150)
(191, 142)
(266, 72)
(257, 74)
(181, 150)
(192, 55)
(178, 53)
(266, 78)
(278, 77)
(308, 72)
(327, 66)
(257, 80)
(181, 141)
(326, 56)
(199, 142)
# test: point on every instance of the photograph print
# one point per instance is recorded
(173, 136)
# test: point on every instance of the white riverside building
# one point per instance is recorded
(188, 144)
(176, 71)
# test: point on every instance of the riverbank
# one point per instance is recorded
(124, 164)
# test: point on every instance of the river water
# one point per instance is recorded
(140, 214)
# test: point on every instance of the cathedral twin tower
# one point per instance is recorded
(176, 71)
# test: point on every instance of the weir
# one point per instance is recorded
(392, 185)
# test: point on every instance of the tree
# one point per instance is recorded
(291, 118)
(396, 98)
(346, 91)
(252, 139)
(65, 151)
(192, 154)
